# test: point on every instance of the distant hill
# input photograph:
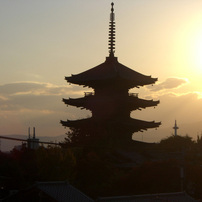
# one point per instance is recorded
(8, 145)
(191, 129)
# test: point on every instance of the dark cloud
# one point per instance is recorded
(169, 83)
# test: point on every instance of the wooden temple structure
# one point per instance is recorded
(110, 101)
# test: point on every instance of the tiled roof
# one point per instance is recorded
(167, 197)
(90, 101)
(110, 69)
(62, 192)
(134, 124)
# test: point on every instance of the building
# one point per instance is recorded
(62, 191)
(49, 191)
(32, 142)
(110, 101)
(162, 197)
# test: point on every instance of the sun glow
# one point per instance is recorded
(196, 51)
(189, 47)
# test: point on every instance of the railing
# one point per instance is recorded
(92, 93)
(89, 93)
(133, 94)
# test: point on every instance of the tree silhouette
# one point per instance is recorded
(176, 143)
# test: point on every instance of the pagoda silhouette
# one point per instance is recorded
(110, 103)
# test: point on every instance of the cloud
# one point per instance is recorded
(36, 95)
(187, 107)
(24, 104)
(169, 83)
(40, 104)
(29, 88)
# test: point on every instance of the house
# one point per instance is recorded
(60, 191)
(165, 197)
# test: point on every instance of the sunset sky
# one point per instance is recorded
(41, 42)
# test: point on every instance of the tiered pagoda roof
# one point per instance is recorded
(110, 102)
(133, 102)
(133, 125)
(111, 70)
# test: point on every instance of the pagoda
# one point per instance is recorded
(110, 101)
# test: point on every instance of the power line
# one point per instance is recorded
(23, 140)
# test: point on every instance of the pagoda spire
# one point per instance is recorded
(110, 103)
(112, 32)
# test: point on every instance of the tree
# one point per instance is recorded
(54, 163)
(177, 143)
(76, 136)
(96, 136)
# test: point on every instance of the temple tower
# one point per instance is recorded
(110, 101)
(175, 128)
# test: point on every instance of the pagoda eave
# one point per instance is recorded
(111, 70)
(77, 123)
(89, 102)
(94, 83)
(134, 125)
(142, 125)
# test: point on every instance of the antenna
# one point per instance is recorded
(33, 132)
(29, 132)
(112, 32)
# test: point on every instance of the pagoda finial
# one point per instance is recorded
(112, 32)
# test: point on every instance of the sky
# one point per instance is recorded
(44, 41)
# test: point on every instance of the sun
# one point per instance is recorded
(188, 55)
(189, 49)
(195, 51)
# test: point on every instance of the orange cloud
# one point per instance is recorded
(169, 83)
